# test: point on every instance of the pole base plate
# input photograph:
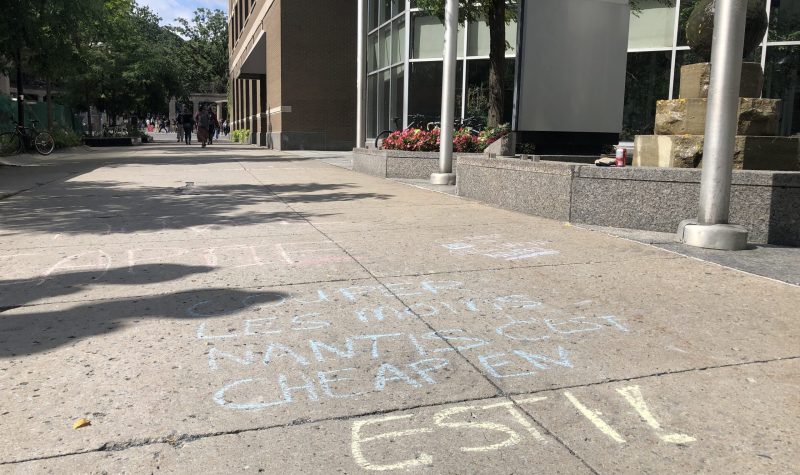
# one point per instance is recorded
(443, 178)
(723, 237)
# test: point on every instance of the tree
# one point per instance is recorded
(204, 52)
(496, 14)
(65, 29)
(128, 66)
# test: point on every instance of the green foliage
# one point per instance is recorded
(490, 135)
(64, 138)
(240, 135)
(469, 10)
(113, 54)
(477, 101)
(203, 55)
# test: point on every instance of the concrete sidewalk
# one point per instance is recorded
(224, 310)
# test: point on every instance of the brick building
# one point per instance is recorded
(293, 72)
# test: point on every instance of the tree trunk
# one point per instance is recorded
(20, 92)
(49, 105)
(497, 53)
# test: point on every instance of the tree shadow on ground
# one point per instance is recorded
(25, 330)
(20, 292)
(102, 207)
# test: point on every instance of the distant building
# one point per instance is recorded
(306, 52)
(293, 71)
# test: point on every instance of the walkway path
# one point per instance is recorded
(224, 311)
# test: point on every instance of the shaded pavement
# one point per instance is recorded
(237, 310)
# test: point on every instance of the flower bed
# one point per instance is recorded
(418, 140)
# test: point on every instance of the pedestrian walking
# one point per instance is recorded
(188, 124)
(203, 124)
(179, 127)
(162, 126)
(213, 126)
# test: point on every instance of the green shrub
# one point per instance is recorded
(490, 135)
(65, 138)
(240, 135)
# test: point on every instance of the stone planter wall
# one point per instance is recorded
(400, 164)
(655, 199)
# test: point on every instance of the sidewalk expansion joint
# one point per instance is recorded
(177, 441)
(498, 389)
(654, 375)
(534, 266)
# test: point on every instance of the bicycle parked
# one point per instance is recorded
(115, 130)
(24, 138)
(474, 124)
(416, 121)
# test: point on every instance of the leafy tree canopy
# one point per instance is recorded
(114, 54)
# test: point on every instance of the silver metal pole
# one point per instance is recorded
(361, 75)
(446, 175)
(721, 114)
(711, 229)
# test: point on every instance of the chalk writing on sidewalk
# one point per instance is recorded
(94, 264)
(497, 425)
(359, 341)
(495, 246)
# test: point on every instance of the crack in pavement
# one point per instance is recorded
(177, 441)
(499, 391)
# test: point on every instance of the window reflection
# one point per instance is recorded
(646, 81)
(781, 82)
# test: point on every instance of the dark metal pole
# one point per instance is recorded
(20, 91)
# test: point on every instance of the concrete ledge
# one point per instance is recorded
(401, 164)
(538, 188)
(653, 199)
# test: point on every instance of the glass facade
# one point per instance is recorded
(403, 39)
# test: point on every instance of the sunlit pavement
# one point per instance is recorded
(231, 309)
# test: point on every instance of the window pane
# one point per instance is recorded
(372, 52)
(782, 81)
(384, 100)
(511, 37)
(386, 12)
(397, 98)
(646, 81)
(478, 39)
(372, 105)
(372, 13)
(384, 47)
(425, 89)
(653, 26)
(478, 89)
(399, 42)
(784, 20)
(428, 39)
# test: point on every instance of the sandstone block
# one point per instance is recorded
(688, 116)
(695, 79)
(686, 151)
